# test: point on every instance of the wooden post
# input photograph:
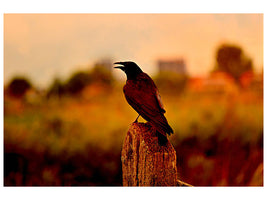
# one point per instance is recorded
(145, 162)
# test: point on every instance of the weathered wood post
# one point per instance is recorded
(145, 162)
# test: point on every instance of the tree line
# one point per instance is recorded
(230, 59)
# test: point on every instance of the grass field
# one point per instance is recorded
(77, 141)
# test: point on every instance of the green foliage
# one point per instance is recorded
(19, 86)
(56, 89)
(102, 75)
(231, 59)
(77, 82)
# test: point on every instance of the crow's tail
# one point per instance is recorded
(162, 125)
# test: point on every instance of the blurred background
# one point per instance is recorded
(65, 115)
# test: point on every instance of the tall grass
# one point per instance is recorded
(77, 141)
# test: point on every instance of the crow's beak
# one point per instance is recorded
(119, 63)
(120, 67)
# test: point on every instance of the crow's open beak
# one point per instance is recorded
(121, 65)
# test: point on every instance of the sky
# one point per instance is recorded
(44, 46)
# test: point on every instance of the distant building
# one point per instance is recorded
(176, 65)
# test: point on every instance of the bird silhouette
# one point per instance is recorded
(142, 94)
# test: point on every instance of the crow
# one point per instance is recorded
(142, 94)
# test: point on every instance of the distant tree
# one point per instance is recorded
(102, 75)
(56, 89)
(231, 59)
(19, 86)
(77, 82)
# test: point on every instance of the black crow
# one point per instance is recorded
(142, 94)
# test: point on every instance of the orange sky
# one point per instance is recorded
(45, 46)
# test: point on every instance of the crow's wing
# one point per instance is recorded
(144, 97)
(144, 103)
(159, 101)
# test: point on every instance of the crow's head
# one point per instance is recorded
(131, 69)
